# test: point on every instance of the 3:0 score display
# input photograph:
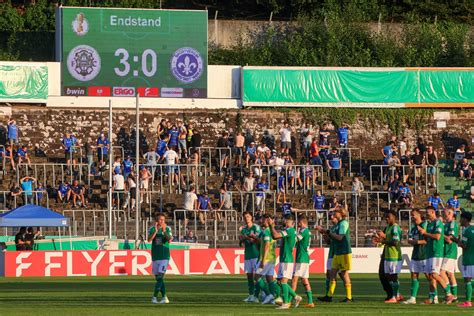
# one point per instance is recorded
(148, 62)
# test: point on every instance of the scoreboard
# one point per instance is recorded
(129, 52)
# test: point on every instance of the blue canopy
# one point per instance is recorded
(33, 215)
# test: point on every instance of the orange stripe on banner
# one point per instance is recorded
(440, 69)
(440, 105)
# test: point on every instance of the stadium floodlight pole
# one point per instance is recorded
(109, 204)
(137, 168)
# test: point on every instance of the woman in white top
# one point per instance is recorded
(131, 186)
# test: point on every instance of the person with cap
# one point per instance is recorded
(251, 154)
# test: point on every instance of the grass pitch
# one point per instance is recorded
(195, 295)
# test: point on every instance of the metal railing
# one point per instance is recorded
(306, 174)
(385, 171)
(314, 219)
(350, 155)
(212, 157)
(187, 174)
(118, 218)
(36, 198)
(43, 171)
(258, 200)
(2, 151)
(366, 196)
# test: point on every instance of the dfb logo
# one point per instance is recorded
(124, 92)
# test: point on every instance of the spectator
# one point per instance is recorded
(454, 203)
(190, 199)
(262, 187)
(393, 189)
(387, 151)
(239, 148)
(69, 143)
(63, 189)
(228, 183)
(40, 193)
(407, 163)
(190, 238)
(23, 155)
(76, 191)
(459, 155)
(394, 164)
(420, 144)
(131, 187)
(145, 177)
(151, 160)
(431, 159)
(27, 187)
(204, 205)
(402, 145)
(248, 186)
(225, 202)
(251, 154)
(334, 163)
(173, 136)
(343, 136)
(310, 175)
(248, 137)
(319, 203)
(287, 209)
(357, 189)
(118, 190)
(223, 151)
(191, 139)
(435, 201)
(15, 191)
(103, 146)
(20, 242)
(182, 145)
(324, 141)
(29, 239)
(196, 139)
(8, 155)
(285, 137)
(268, 139)
(334, 204)
(89, 151)
(127, 166)
(465, 170)
(162, 129)
(405, 196)
(12, 132)
(418, 162)
(161, 147)
(171, 159)
(306, 137)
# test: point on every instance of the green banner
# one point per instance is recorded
(401, 86)
(129, 52)
(23, 82)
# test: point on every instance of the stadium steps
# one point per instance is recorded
(450, 184)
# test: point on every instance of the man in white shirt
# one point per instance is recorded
(285, 138)
(118, 189)
(171, 158)
(190, 203)
(248, 186)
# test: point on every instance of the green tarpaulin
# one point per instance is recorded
(23, 82)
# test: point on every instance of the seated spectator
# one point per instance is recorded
(465, 170)
(27, 188)
(76, 191)
(250, 154)
(262, 187)
(20, 242)
(63, 189)
(459, 155)
(190, 237)
(455, 204)
(435, 201)
(15, 192)
(405, 196)
(393, 189)
(228, 183)
(40, 193)
(7, 155)
(23, 155)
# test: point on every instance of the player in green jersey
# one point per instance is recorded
(450, 257)
(418, 256)
(331, 245)
(160, 236)
(434, 236)
(287, 262)
(466, 242)
(303, 241)
(249, 237)
(266, 265)
(390, 238)
(342, 260)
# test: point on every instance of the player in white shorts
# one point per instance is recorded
(450, 255)
(249, 237)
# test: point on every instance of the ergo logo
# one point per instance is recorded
(124, 91)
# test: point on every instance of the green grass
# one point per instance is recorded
(193, 295)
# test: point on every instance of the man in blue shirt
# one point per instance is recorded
(69, 142)
(318, 200)
(161, 148)
(12, 132)
(406, 195)
(334, 163)
(27, 187)
(343, 136)
(262, 186)
(387, 152)
(204, 205)
(22, 155)
(103, 146)
(63, 192)
(435, 201)
(127, 165)
(174, 136)
(455, 204)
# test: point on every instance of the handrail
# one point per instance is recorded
(191, 173)
(244, 200)
(366, 194)
(404, 174)
(350, 150)
(105, 215)
(53, 168)
(209, 151)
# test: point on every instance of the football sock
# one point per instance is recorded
(284, 290)
(415, 285)
(327, 286)
(431, 296)
(454, 290)
(435, 292)
(349, 291)
(394, 285)
(332, 288)
(251, 286)
(158, 285)
(468, 291)
(447, 289)
(256, 292)
(275, 289)
(290, 291)
(163, 288)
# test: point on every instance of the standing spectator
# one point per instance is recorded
(454, 203)
(268, 139)
(162, 129)
(251, 154)
(228, 183)
(334, 204)
(459, 155)
(151, 160)
(402, 145)
(223, 151)
(418, 162)
(324, 145)
(393, 189)
(161, 147)
(8, 155)
(262, 187)
(15, 191)
(118, 190)
(127, 166)
(248, 186)
(89, 151)
(406, 196)
(190, 138)
(12, 132)
(29, 239)
(357, 189)
(190, 199)
(282, 185)
(145, 177)
(394, 164)
(23, 155)
(171, 158)
(314, 153)
(182, 145)
(407, 166)
(387, 151)
(131, 187)
(319, 203)
(40, 193)
(343, 136)
(334, 163)
(465, 170)
(195, 139)
(239, 148)
(431, 159)
(225, 202)
(69, 142)
(204, 206)
(420, 144)
(20, 242)
(63, 189)
(77, 193)
(285, 137)
(306, 137)
(27, 188)
(173, 136)
(103, 146)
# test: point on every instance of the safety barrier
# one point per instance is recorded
(37, 197)
(185, 173)
(214, 157)
(350, 155)
(57, 171)
(98, 216)
(406, 171)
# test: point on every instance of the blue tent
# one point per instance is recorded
(33, 215)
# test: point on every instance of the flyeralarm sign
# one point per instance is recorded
(131, 262)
